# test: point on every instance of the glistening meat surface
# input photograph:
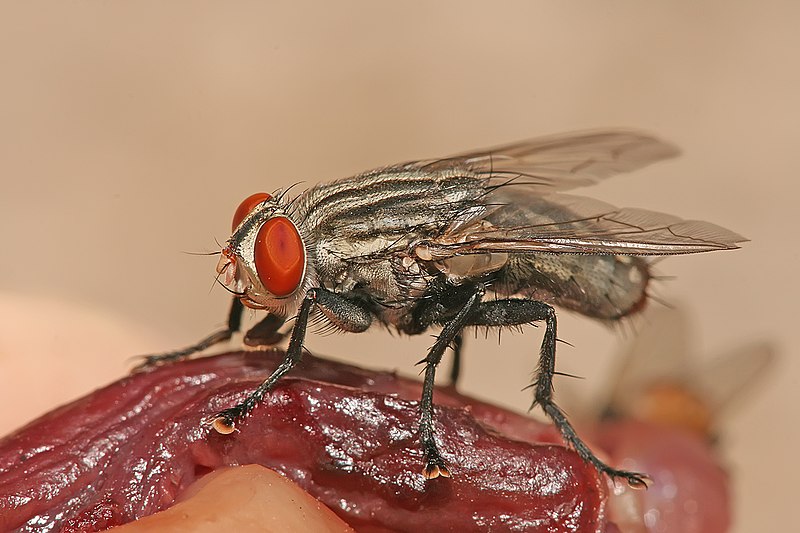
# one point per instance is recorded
(347, 436)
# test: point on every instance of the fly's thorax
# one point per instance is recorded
(363, 227)
(607, 287)
(267, 259)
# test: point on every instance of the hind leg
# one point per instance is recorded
(514, 312)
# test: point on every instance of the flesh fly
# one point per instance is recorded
(486, 238)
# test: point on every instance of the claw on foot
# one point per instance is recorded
(634, 479)
(151, 361)
(223, 424)
(435, 467)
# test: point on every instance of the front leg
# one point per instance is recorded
(234, 324)
(266, 332)
(346, 314)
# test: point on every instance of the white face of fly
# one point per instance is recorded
(264, 262)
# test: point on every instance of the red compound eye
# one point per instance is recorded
(248, 205)
(280, 256)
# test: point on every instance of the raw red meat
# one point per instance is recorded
(348, 436)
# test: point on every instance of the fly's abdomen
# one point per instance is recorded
(606, 287)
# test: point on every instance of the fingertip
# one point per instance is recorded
(247, 498)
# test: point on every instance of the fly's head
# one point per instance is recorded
(265, 261)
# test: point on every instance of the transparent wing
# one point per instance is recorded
(520, 220)
(731, 376)
(561, 162)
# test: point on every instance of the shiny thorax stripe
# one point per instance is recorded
(389, 201)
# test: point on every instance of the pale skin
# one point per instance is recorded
(244, 498)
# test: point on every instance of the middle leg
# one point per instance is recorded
(434, 464)
(455, 370)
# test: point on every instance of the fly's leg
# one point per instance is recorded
(434, 464)
(234, 323)
(265, 333)
(440, 305)
(346, 314)
(514, 312)
(455, 370)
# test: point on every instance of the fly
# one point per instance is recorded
(486, 238)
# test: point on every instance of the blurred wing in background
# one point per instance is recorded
(660, 380)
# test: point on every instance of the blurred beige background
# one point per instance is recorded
(129, 133)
